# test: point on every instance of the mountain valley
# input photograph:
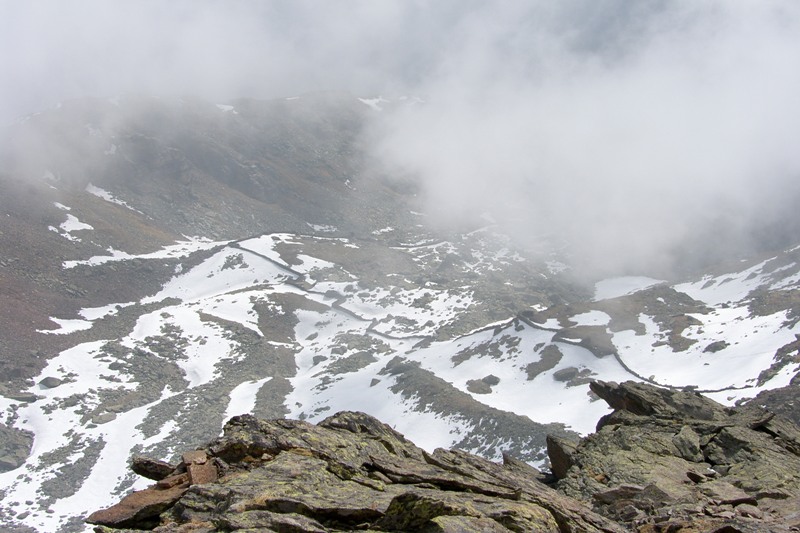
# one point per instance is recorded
(168, 265)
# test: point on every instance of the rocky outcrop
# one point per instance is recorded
(668, 460)
(350, 472)
(142, 508)
(15, 445)
(663, 461)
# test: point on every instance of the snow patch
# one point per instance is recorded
(324, 228)
(592, 318)
(107, 196)
(622, 286)
(177, 250)
(73, 224)
(243, 398)
(67, 326)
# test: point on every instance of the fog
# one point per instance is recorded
(635, 134)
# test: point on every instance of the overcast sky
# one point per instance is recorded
(625, 124)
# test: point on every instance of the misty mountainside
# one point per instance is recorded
(169, 264)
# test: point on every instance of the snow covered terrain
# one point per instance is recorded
(242, 263)
(350, 346)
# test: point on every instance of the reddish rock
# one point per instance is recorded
(173, 481)
(198, 457)
(151, 468)
(202, 473)
(138, 508)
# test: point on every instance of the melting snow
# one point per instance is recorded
(67, 326)
(752, 342)
(179, 249)
(734, 287)
(243, 398)
(615, 287)
(107, 196)
(591, 318)
(322, 228)
(73, 224)
(334, 374)
(228, 270)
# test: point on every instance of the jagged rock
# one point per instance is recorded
(748, 510)
(139, 509)
(688, 444)
(151, 468)
(560, 453)
(723, 492)
(643, 399)
(199, 468)
(683, 450)
(622, 492)
(270, 521)
(463, 524)
(352, 472)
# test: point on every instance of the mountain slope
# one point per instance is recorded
(173, 264)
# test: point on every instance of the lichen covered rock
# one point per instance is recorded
(350, 472)
(674, 458)
(664, 460)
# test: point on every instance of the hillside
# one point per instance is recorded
(170, 264)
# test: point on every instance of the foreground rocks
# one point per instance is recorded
(677, 461)
(662, 461)
(350, 472)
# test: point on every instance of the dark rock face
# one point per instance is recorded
(668, 460)
(349, 472)
(663, 461)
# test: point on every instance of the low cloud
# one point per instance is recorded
(637, 136)
(624, 129)
(53, 50)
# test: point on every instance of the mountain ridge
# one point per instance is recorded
(694, 471)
